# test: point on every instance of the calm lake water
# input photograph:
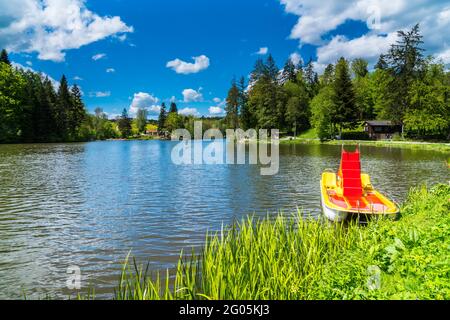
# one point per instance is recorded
(89, 204)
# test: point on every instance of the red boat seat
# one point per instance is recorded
(350, 174)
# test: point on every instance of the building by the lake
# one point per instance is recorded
(381, 130)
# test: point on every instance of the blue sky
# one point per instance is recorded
(134, 41)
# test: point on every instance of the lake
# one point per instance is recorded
(89, 204)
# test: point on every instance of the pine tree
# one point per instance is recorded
(271, 69)
(77, 111)
(62, 109)
(4, 57)
(381, 64)
(344, 96)
(311, 78)
(406, 62)
(48, 120)
(162, 118)
(258, 71)
(173, 107)
(289, 72)
(246, 118)
(232, 106)
(124, 124)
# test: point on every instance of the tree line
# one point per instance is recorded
(405, 87)
(32, 110)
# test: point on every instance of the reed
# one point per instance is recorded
(291, 257)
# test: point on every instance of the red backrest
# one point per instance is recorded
(350, 173)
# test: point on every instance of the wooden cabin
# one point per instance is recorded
(381, 130)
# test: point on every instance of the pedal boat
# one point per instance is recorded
(349, 193)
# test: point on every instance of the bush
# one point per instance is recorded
(355, 135)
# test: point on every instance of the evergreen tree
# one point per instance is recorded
(232, 106)
(344, 96)
(173, 107)
(258, 71)
(48, 121)
(263, 103)
(406, 62)
(77, 112)
(271, 69)
(245, 116)
(43, 117)
(62, 109)
(311, 79)
(124, 124)
(162, 118)
(4, 57)
(381, 64)
(289, 72)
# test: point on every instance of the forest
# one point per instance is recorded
(405, 86)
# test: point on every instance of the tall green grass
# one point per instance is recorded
(292, 258)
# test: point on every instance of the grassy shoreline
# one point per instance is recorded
(431, 146)
(293, 258)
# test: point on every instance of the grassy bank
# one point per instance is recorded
(439, 147)
(293, 258)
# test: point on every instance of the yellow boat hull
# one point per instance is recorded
(337, 207)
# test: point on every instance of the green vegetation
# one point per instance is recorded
(439, 147)
(294, 258)
(406, 88)
(32, 110)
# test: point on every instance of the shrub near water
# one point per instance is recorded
(293, 258)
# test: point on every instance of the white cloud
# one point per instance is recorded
(188, 112)
(98, 56)
(29, 63)
(444, 56)
(144, 100)
(191, 95)
(182, 67)
(100, 94)
(110, 70)
(122, 37)
(262, 51)
(52, 27)
(368, 46)
(215, 110)
(317, 18)
(77, 78)
(295, 58)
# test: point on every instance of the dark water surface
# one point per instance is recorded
(89, 204)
